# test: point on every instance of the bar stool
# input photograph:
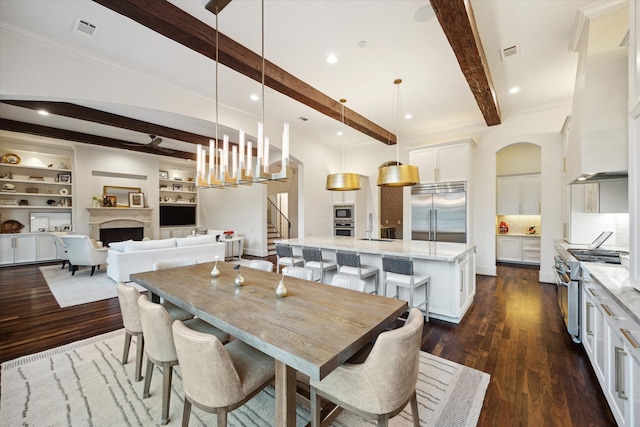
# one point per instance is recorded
(284, 255)
(349, 263)
(398, 272)
(313, 260)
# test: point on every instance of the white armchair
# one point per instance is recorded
(81, 251)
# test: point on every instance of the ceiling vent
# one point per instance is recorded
(86, 28)
(510, 52)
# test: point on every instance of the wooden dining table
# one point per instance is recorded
(313, 330)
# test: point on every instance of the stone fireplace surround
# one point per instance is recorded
(101, 218)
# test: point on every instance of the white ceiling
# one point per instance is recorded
(298, 36)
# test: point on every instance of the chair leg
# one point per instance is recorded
(64, 262)
(93, 269)
(222, 417)
(315, 407)
(74, 269)
(411, 290)
(414, 410)
(383, 421)
(127, 344)
(186, 412)
(426, 299)
(147, 379)
(139, 354)
(167, 374)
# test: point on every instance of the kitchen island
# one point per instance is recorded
(451, 267)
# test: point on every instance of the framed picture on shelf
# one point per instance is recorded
(109, 201)
(164, 175)
(64, 177)
(177, 187)
(136, 200)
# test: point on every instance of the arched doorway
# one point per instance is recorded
(518, 205)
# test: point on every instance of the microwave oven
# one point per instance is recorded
(343, 213)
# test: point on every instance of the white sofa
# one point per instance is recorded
(129, 257)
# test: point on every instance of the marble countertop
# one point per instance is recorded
(615, 280)
(519, 234)
(436, 251)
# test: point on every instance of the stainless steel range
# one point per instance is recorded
(596, 255)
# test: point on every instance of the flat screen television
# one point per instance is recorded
(177, 215)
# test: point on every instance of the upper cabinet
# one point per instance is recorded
(606, 197)
(518, 195)
(443, 162)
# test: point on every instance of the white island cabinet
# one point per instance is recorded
(451, 267)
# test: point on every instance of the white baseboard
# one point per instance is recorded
(489, 270)
(256, 252)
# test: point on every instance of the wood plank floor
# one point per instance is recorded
(513, 331)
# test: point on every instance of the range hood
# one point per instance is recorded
(597, 143)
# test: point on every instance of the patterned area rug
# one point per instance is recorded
(80, 288)
(84, 383)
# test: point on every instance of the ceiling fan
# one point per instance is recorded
(155, 143)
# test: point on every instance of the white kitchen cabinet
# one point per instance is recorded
(530, 250)
(606, 197)
(592, 326)
(443, 163)
(18, 249)
(508, 248)
(518, 195)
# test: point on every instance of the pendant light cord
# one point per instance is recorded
(215, 152)
(263, 124)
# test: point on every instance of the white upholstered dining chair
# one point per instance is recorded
(160, 348)
(261, 264)
(298, 272)
(348, 282)
(218, 378)
(381, 386)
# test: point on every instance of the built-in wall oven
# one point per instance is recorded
(343, 220)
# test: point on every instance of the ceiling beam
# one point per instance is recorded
(67, 135)
(458, 23)
(164, 18)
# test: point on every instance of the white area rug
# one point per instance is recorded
(84, 383)
(80, 288)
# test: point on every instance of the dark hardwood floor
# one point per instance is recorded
(513, 331)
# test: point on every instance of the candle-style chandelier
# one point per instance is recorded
(218, 173)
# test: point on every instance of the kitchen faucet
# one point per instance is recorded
(370, 226)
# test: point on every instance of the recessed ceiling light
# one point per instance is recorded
(254, 97)
(408, 116)
(332, 59)
(43, 112)
(340, 133)
(514, 89)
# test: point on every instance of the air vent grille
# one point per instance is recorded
(509, 52)
(86, 28)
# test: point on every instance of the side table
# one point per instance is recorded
(228, 247)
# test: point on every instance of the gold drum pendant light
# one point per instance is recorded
(398, 175)
(343, 181)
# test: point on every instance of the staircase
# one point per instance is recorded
(272, 236)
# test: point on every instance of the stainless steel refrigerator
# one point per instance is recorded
(439, 212)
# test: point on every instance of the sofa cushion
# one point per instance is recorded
(119, 246)
(195, 241)
(150, 244)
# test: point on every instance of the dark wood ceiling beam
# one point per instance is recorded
(176, 24)
(67, 135)
(457, 21)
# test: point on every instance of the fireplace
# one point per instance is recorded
(117, 224)
(108, 235)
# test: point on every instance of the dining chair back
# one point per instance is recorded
(160, 348)
(81, 251)
(180, 262)
(285, 257)
(261, 264)
(218, 378)
(128, 299)
(313, 260)
(381, 386)
(298, 272)
(348, 282)
(399, 273)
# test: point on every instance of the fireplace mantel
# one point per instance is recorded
(119, 218)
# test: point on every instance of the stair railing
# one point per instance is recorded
(277, 219)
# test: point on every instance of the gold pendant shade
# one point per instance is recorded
(398, 176)
(343, 181)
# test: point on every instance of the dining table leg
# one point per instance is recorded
(285, 395)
